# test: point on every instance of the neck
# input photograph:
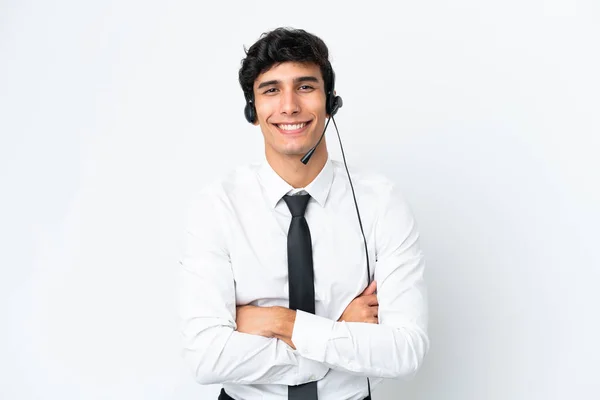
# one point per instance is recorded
(293, 171)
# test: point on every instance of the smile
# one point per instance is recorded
(292, 128)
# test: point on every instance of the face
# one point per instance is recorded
(290, 108)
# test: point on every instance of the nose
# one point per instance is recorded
(289, 103)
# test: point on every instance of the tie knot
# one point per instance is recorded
(297, 204)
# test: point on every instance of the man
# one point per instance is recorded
(249, 253)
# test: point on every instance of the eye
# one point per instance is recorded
(306, 88)
(269, 91)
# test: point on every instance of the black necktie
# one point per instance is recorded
(301, 277)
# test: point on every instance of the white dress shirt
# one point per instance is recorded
(236, 254)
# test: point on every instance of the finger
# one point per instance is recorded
(370, 289)
(376, 314)
(371, 300)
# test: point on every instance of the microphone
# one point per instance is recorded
(337, 105)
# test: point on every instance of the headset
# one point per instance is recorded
(332, 104)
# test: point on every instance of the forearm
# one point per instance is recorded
(219, 354)
(361, 348)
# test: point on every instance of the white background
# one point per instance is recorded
(486, 114)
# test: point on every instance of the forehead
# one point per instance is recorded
(287, 71)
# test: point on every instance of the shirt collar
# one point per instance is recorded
(275, 187)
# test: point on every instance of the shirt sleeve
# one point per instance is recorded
(396, 346)
(212, 348)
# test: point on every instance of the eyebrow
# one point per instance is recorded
(296, 80)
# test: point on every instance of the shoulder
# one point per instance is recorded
(217, 190)
(367, 181)
(234, 179)
(377, 190)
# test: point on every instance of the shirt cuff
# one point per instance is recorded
(311, 334)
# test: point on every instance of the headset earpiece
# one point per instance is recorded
(334, 103)
(250, 112)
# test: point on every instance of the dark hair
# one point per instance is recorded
(281, 45)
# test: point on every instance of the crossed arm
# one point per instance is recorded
(278, 322)
(253, 345)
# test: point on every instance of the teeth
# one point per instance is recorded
(291, 127)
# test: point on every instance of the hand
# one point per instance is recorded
(254, 320)
(364, 308)
(272, 322)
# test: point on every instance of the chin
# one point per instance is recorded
(294, 152)
(293, 148)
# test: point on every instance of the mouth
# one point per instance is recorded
(292, 129)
